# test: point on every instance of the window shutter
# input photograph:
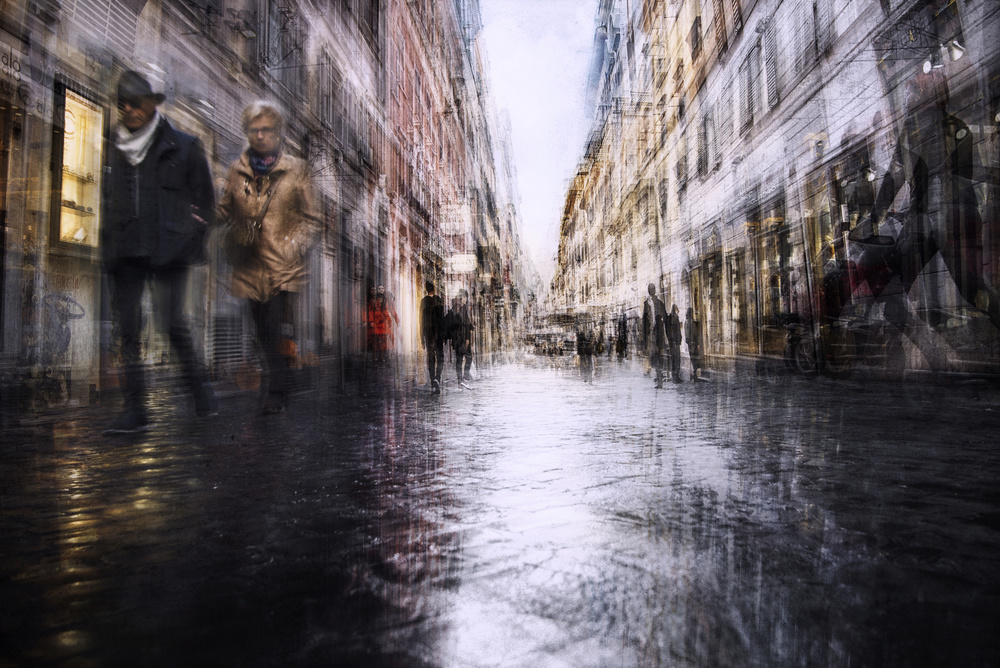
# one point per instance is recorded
(720, 24)
(703, 146)
(737, 17)
(824, 26)
(746, 106)
(771, 65)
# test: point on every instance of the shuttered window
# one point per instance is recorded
(719, 19)
(771, 65)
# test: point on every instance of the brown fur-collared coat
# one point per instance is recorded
(278, 260)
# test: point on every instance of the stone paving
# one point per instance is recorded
(530, 519)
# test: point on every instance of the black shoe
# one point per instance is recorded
(468, 376)
(435, 387)
(131, 421)
(273, 405)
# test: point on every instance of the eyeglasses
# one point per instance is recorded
(270, 130)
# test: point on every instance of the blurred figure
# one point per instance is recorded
(674, 343)
(621, 339)
(934, 157)
(367, 324)
(654, 333)
(460, 327)
(381, 317)
(432, 335)
(585, 351)
(159, 200)
(271, 191)
(692, 334)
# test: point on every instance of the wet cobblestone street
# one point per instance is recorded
(529, 519)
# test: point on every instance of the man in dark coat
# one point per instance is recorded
(460, 329)
(654, 316)
(621, 337)
(674, 343)
(159, 199)
(585, 351)
(432, 335)
(692, 334)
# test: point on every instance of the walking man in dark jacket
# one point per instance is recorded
(674, 343)
(159, 201)
(654, 316)
(460, 332)
(432, 335)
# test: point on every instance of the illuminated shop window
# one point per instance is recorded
(79, 178)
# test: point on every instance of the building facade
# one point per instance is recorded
(739, 149)
(387, 101)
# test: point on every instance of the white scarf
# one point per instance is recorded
(135, 145)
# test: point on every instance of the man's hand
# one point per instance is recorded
(195, 213)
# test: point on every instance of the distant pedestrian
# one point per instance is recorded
(692, 335)
(432, 335)
(674, 343)
(269, 192)
(654, 316)
(382, 317)
(460, 328)
(621, 339)
(159, 202)
(585, 352)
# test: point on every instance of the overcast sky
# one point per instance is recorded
(539, 52)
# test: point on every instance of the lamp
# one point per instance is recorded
(956, 50)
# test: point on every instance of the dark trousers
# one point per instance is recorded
(675, 361)
(435, 359)
(169, 285)
(656, 362)
(463, 353)
(268, 317)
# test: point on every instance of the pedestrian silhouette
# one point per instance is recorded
(160, 200)
(432, 335)
(654, 316)
(674, 343)
(270, 191)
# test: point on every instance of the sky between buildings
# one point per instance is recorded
(539, 52)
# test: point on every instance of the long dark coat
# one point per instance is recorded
(182, 189)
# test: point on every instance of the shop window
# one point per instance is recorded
(77, 157)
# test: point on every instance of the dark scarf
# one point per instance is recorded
(262, 166)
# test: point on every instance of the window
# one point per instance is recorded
(695, 38)
(749, 74)
(805, 47)
(706, 137)
(281, 40)
(726, 117)
(682, 163)
(663, 199)
(325, 89)
(662, 107)
(77, 138)
(719, 19)
(771, 65)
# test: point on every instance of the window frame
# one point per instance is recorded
(99, 137)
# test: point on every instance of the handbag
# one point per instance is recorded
(241, 236)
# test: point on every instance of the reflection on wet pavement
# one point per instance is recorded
(533, 520)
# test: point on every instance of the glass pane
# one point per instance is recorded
(81, 172)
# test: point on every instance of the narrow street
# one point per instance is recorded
(529, 519)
